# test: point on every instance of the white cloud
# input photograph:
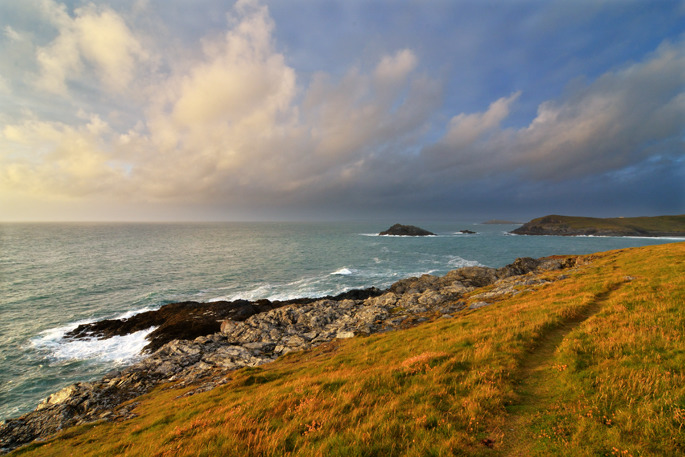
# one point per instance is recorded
(96, 36)
(109, 44)
(394, 69)
(242, 77)
(57, 159)
(609, 124)
(616, 121)
(12, 34)
(464, 129)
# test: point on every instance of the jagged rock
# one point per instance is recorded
(406, 230)
(188, 320)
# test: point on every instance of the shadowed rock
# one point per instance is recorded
(406, 230)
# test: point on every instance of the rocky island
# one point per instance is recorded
(406, 230)
(198, 344)
(592, 226)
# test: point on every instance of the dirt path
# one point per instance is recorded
(538, 386)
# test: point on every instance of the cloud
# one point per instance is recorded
(394, 69)
(97, 36)
(235, 126)
(244, 130)
(12, 34)
(241, 78)
(54, 159)
(617, 121)
(464, 129)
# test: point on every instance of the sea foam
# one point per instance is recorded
(117, 349)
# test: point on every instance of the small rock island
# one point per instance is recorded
(406, 230)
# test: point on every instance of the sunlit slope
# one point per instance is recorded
(591, 364)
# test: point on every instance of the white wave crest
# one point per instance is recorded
(117, 349)
(459, 262)
(344, 271)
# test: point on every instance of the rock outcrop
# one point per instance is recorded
(242, 340)
(188, 320)
(406, 230)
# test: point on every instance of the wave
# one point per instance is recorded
(635, 237)
(344, 272)
(118, 350)
(458, 262)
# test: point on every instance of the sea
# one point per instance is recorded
(54, 277)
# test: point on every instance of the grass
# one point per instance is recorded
(658, 224)
(590, 365)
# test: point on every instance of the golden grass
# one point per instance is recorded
(593, 364)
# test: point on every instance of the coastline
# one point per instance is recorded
(264, 336)
(649, 227)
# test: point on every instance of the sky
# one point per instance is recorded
(213, 110)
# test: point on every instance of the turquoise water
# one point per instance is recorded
(55, 276)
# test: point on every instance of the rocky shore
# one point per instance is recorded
(232, 335)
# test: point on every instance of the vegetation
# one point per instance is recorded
(592, 364)
(621, 226)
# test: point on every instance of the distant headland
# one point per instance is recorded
(499, 222)
(593, 226)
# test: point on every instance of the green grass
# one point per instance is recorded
(593, 364)
(657, 224)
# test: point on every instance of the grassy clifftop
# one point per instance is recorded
(618, 226)
(592, 363)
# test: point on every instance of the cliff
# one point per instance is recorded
(628, 226)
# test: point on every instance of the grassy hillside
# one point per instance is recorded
(572, 225)
(590, 365)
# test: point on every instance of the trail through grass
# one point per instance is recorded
(538, 386)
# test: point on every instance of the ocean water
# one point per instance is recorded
(56, 276)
